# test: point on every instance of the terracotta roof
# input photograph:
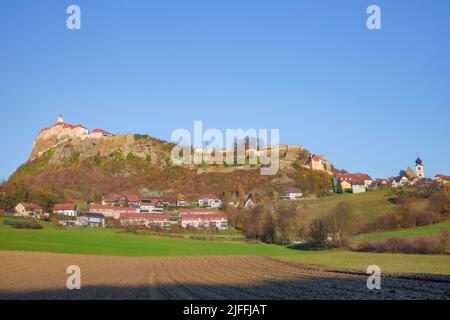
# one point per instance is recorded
(96, 207)
(358, 183)
(64, 206)
(352, 176)
(99, 131)
(443, 177)
(209, 196)
(28, 205)
(151, 201)
(216, 216)
(197, 211)
(148, 217)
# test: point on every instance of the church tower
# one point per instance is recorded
(419, 169)
(60, 119)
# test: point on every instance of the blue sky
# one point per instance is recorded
(368, 100)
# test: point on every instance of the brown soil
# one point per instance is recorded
(27, 275)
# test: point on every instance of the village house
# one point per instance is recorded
(145, 220)
(112, 212)
(91, 220)
(204, 220)
(399, 182)
(210, 200)
(358, 186)
(100, 133)
(442, 179)
(151, 205)
(292, 194)
(30, 210)
(318, 163)
(346, 186)
(349, 177)
(181, 201)
(66, 209)
(382, 183)
(249, 203)
(120, 200)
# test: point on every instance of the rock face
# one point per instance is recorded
(155, 151)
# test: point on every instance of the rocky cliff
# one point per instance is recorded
(64, 149)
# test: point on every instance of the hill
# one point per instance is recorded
(83, 168)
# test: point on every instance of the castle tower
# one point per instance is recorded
(60, 119)
(419, 169)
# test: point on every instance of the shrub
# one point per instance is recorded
(413, 245)
(27, 225)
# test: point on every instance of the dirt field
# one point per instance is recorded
(26, 275)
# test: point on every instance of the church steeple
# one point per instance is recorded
(419, 168)
(60, 119)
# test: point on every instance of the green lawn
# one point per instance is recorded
(113, 242)
(420, 231)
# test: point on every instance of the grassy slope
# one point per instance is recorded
(111, 242)
(366, 206)
(421, 231)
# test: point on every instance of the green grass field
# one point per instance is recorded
(112, 242)
(420, 231)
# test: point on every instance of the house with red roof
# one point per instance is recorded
(121, 200)
(152, 205)
(100, 133)
(442, 179)
(27, 209)
(66, 209)
(111, 211)
(349, 177)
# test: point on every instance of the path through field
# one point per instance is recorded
(27, 275)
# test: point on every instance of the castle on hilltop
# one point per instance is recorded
(62, 129)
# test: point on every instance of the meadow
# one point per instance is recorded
(433, 229)
(112, 242)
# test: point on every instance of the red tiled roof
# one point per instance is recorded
(197, 211)
(112, 198)
(99, 131)
(216, 216)
(96, 207)
(148, 217)
(209, 196)
(28, 205)
(443, 177)
(151, 201)
(352, 176)
(64, 206)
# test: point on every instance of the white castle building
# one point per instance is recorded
(61, 129)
